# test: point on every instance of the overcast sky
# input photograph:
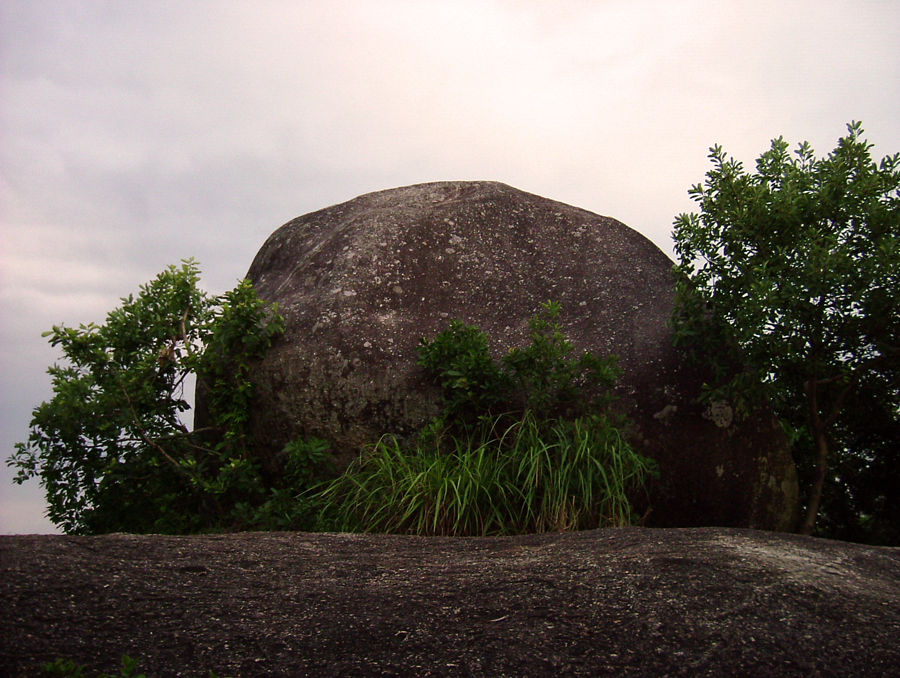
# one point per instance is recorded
(135, 134)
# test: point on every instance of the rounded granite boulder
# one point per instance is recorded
(362, 282)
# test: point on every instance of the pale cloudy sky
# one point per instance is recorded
(134, 134)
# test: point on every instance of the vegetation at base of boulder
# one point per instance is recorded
(110, 448)
(295, 504)
(533, 476)
(788, 284)
(524, 445)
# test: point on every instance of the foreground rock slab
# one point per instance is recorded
(617, 602)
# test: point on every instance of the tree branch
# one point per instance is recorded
(152, 443)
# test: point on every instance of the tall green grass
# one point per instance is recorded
(503, 477)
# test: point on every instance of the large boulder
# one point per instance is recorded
(361, 282)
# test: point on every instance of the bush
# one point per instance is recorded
(110, 448)
(293, 505)
(576, 475)
(526, 445)
(542, 376)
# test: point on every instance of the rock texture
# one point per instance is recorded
(361, 282)
(619, 602)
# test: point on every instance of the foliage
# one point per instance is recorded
(526, 445)
(110, 447)
(471, 382)
(542, 376)
(295, 504)
(530, 478)
(787, 288)
(113, 454)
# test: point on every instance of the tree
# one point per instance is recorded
(110, 447)
(787, 283)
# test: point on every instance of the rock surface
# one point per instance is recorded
(616, 602)
(361, 282)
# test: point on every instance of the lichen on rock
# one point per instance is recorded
(720, 413)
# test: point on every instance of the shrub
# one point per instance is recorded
(110, 448)
(293, 505)
(542, 376)
(526, 445)
(574, 475)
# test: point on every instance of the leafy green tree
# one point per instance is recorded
(788, 283)
(110, 447)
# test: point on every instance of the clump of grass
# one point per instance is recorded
(506, 478)
(525, 444)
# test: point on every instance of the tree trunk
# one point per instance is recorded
(818, 432)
